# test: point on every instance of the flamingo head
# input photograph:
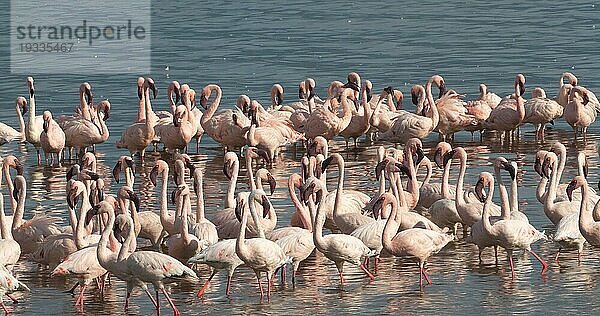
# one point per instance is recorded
(149, 83)
(485, 180)
(576, 183)
(30, 86)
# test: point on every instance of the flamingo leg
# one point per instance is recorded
(557, 254)
(269, 280)
(420, 276)
(362, 267)
(12, 298)
(544, 264)
(228, 291)
(201, 292)
(283, 275)
(4, 307)
(512, 267)
(294, 278)
(79, 301)
(427, 277)
(127, 300)
(157, 304)
(259, 284)
(342, 279)
(154, 302)
(175, 310)
(377, 262)
(496, 253)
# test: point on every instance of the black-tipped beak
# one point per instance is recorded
(135, 199)
(570, 189)
(546, 169)
(326, 163)
(19, 168)
(352, 85)
(131, 164)
(31, 92)
(152, 87)
(537, 166)
(239, 208)
(279, 98)
(116, 172)
(301, 94)
(479, 192)
(448, 156)
(521, 88)
(25, 108)
(403, 169)
(266, 205)
(173, 196)
(190, 166)
(420, 155)
(153, 175)
(379, 169)
(177, 95)
(45, 126)
(272, 183)
(369, 95)
(442, 90)
(306, 191)
(511, 170)
(88, 95)
(140, 93)
(118, 233)
(16, 194)
(438, 159)
(203, 101)
(377, 206)
(227, 171)
(90, 214)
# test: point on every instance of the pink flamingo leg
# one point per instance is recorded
(420, 276)
(283, 276)
(366, 262)
(427, 277)
(79, 300)
(362, 267)
(201, 292)
(557, 254)
(260, 285)
(127, 301)
(377, 262)
(4, 307)
(155, 303)
(544, 264)
(14, 299)
(175, 310)
(342, 279)
(269, 286)
(228, 285)
(512, 267)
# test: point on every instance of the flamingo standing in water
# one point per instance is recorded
(52, 139)
(339, 248)
(509, 233)
(415, 242)
(35, 123)
(259, 254)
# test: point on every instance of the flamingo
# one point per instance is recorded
(218, 256)
(8, 285)
(555, 210)
(52, 139)
(7, 133)
(259, 254)
(204, 229)
(415, 242)
(540, 110)
(10, 250)
(226, 127)
(409, 125)
(510, 234)
(579, 112)
(139, 135)
(81, 133)
(322, 122)
(359, 123)
(183, 245)
(588, 226)
(34, 126)
(339, 248)
(509, 114)
(443, 211)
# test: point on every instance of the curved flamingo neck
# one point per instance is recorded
(214, 105)
(21, 122)
(445, 177)
(551, 193)
(83, 106)
(230, 201)
(80, 232)
(240, 245)
(103, 253)
(300, 209)
(485, 215)
(249, 172)
(18, 215)
(163, 196)
(586, 218)
(391, 225)
(504, 203)
(199, 196)
(432, 113)
(340, 185)
(11, 187)
(5, 233)
(459, 198)
(514, 195)
(540, 192)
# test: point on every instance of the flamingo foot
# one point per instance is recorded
(12, 298)
(175, 310)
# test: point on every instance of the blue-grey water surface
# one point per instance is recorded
(247, 46)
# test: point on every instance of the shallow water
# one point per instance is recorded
(247, 48)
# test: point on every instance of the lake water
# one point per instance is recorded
(246, 47)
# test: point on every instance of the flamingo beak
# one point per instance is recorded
(239, 209)
(479, 191)
(511, 170)
(154, 175)
(135, 199)
(116, 172)
(570, 189)
(266, 204)
(272, 183)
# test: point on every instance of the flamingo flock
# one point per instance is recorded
(407, 217)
